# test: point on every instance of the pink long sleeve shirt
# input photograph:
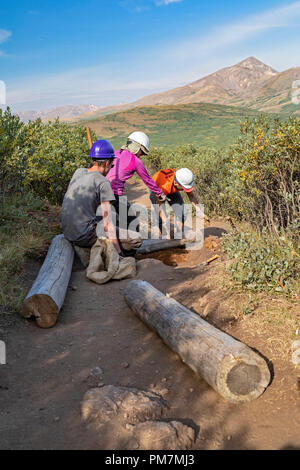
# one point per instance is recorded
(125, 165)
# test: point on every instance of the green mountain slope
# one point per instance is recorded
(197, 123)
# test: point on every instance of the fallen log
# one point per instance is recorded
(47, 293)
(229, 366)
(149, 246)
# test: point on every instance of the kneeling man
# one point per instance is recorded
(89, 189)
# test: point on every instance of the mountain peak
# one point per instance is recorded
(252, 62)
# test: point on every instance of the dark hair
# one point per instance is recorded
(101, 161)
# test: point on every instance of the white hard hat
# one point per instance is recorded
(185, 178)
(140, 138)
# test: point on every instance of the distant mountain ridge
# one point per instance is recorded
(249, 83)
(220, 86)
(63, 112)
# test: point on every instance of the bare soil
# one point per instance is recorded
(48, 371)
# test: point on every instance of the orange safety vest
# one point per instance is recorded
(165, 180)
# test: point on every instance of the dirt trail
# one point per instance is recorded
(48, 371)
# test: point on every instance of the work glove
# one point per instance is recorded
(161, 198)
(199, 213)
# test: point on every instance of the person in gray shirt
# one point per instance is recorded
(89, 189)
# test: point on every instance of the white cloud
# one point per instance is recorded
(166, 2)
(135, 6)
(4, 36)
(138, 6)
(236, 32)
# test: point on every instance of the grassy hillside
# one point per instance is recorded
(200, 124)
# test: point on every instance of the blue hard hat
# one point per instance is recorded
(102, 149)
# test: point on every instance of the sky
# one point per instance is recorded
(104, 52)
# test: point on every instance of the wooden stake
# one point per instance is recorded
(88, 131)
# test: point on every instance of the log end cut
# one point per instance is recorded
(43, 308)
(242, 379)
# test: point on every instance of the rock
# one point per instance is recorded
(125, 365)
(95, 377)
(163, 392)
(129, 427)
(159, 435)
(159, 390)
(100, 405)
(146, 264)
(96, 371)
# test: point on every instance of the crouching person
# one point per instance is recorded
(172, 182)
(89, 189)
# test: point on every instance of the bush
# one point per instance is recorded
(46, 155)
(10, 127)
(257, 180)
(264, 183)
(210, 169)
(261, 262)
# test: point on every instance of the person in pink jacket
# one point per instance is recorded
(126, 163)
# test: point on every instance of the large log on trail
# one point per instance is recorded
(229, 366)
(149, 246)
(47, 293)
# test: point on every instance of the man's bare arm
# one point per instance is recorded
(109, 226)
(195, 203)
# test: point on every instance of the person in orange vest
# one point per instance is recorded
(171, 182)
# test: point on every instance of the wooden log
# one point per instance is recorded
(229, 366)
(149, 246)
(47, 293)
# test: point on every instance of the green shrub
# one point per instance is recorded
(264, 183)
(46, 155)
(10, 127)
(210, 169)
(261, 262)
